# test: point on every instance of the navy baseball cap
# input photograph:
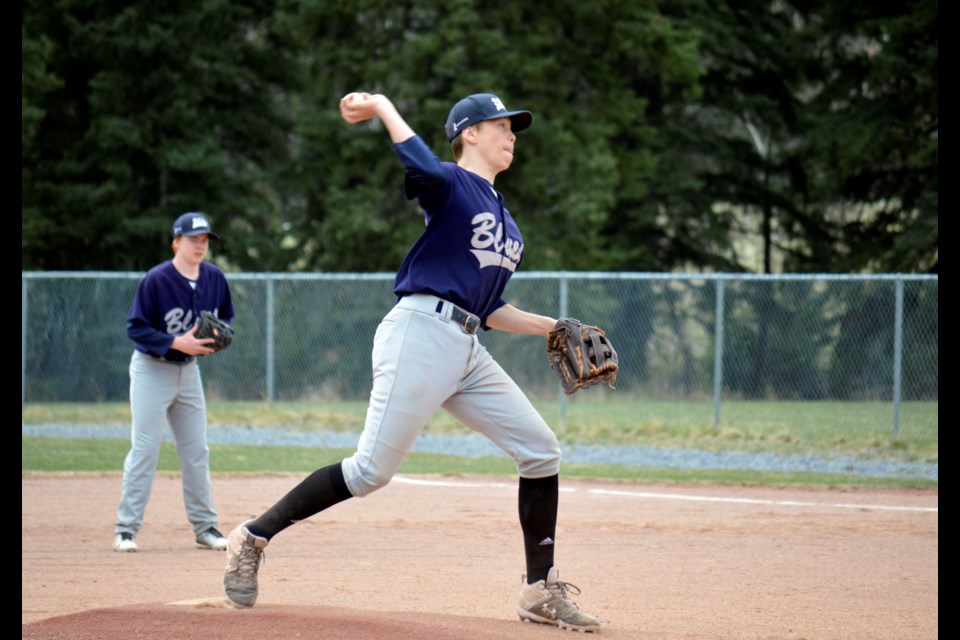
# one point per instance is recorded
(479, 107)
(193, 224)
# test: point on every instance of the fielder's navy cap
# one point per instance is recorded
(479, 107)
(193, 224)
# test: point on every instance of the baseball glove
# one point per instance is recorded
(210, 326)
(582, 355)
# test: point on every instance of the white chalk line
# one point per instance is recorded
(672, 496)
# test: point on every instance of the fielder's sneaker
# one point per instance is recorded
(547, 602)
(211, 539)
(124, 542)
(244, 553)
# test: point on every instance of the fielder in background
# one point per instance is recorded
(426, 353)
(165, 384)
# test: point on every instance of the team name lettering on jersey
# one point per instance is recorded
(489, 247)
(178, 321)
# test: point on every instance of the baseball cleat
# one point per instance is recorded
(547, 602)
(124, 542)
(211, 539)
(244, 553)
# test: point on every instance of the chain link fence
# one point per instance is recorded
(712, 339)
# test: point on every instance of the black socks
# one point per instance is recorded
(537, 506)
(320, 490)
(538, 500)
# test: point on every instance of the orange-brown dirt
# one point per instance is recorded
(441, 558)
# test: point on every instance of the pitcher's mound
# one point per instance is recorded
(216, 618)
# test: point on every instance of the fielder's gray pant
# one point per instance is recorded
(423, 361)
(161, 393)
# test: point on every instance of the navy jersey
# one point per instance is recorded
(471, 245)
(166, 305)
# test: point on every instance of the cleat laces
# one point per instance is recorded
(559, 591)
(248, 563)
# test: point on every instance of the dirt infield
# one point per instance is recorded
(440, 558)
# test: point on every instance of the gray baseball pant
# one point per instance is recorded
(423, 361)
(164, 393)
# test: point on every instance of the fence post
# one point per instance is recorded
(269, 345)
(564, 310)
(897, 356)
(718, 355)
(23, 340)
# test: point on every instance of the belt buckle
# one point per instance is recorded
(470, 323)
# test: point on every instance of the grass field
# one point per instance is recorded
(56, 455)
(825, 429)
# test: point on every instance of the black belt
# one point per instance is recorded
(464, 319)
(179, 363)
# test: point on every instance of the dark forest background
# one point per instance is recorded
(770, 137)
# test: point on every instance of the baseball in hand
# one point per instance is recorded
(357, 107)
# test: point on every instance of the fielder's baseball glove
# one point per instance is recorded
(210, 326)
(582, 355)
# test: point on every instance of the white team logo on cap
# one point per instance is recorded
(199, 222)
(499, 105)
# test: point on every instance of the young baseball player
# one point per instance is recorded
(165, 385)
(449, 285)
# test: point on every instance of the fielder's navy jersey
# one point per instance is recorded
(471, 245)
(166, 305)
